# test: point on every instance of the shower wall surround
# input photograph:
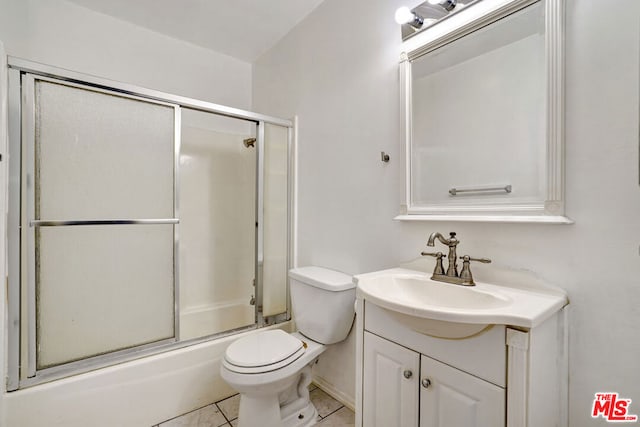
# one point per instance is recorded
(217, 249)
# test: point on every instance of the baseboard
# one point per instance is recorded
(329, 388)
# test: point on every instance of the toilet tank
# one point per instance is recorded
(322, 301)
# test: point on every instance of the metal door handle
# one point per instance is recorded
(426, 382)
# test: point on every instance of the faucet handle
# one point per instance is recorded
(433, 254)
(465, 274)
(439, 268)
(482, 260)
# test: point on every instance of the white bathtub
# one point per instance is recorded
(140, 393)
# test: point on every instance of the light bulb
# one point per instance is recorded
(434, 2)
(404, 15)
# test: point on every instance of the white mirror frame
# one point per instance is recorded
(465, 22)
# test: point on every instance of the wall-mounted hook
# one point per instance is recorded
(384, 157)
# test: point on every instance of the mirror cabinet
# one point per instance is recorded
(482, 115)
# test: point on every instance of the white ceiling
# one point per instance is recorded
(244, 29)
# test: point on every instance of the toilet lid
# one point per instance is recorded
(264, 350)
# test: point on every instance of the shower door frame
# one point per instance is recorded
(15, 259)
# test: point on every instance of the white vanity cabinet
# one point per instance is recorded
(405, 388)
(390, 382)
(451, 397)
(502, 376)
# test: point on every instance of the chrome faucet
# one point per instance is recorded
(451, 276)
(452, 242)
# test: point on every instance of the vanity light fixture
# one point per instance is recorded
(404, 15)
(447, 5)
(428, 13)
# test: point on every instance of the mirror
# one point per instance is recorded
(482, 115)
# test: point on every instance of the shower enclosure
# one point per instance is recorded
(139, 222)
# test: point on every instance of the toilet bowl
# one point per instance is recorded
(273, 394)
(272, 369)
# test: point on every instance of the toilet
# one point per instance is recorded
(272, 369)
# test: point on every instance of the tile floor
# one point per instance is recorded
(224, 413)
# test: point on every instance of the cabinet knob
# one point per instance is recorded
(426, 383)
(407, 374)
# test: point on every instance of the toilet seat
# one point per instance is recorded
(263, 352)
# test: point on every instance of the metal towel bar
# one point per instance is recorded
(454, 191)
(46, 223)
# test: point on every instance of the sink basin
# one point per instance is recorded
(453, 311)
(410, 289)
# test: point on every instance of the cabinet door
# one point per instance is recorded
(390, 384)
(454, 398)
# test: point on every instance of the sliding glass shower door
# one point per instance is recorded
(139, 222)
(99, 174)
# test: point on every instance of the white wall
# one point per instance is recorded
(63, 34)
(338, 72)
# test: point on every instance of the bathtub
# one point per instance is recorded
(139, 393)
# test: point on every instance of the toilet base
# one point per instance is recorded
(302, 418)
(290, 408)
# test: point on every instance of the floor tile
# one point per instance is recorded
(209, 416)
(343, 417)
(331, 413)
(230, 406)
(324, 403)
